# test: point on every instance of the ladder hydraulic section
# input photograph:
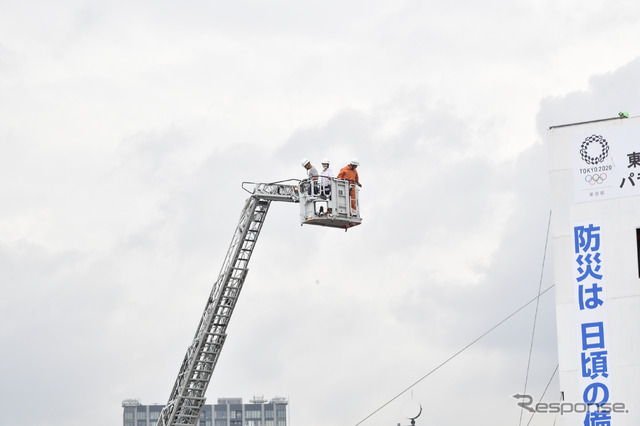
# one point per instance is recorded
(187, 398)
(188, 395)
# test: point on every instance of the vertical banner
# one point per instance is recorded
(590, 279)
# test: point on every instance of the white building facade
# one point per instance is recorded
(595, 228)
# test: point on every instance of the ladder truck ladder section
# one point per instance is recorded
(188, 395)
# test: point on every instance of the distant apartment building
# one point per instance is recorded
(227, 412)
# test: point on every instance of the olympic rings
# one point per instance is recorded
(596, 178)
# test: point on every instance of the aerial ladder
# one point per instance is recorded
(330, 207)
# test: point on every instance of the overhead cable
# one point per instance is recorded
(544, 392)
(535, 317)
(455, 355)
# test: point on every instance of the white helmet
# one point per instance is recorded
(325, 161)
(354, 162)
(304, 162)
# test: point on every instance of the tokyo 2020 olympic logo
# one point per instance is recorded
(594, 149)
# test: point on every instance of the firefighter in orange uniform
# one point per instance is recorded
(350, 173)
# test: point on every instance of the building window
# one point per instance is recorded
(268, 412)
(253, 414)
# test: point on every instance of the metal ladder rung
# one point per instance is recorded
(214, 333)
(236, 280)
(203, 371)
(187, 401)
(186, 406)
(211, 347)
(187, 416)
(197, 398)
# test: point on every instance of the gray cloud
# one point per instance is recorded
(128, 130)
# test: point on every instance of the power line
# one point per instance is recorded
(544, 392)
(455, 355)
(535, 317)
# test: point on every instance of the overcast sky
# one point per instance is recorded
(127, 128)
